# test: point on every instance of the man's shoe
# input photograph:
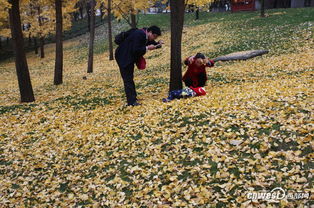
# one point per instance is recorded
(135, 104)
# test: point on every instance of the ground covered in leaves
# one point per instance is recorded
(78, 145)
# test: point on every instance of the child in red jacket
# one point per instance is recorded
(196, 75)
(194, 78)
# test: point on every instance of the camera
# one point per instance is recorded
(158, 46)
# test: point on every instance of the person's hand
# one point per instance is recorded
(160, 42)
(151, 47)
(210, 62)
(191, 59)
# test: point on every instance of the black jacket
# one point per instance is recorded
(132, 48)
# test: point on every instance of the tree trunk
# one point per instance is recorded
(35, 45)
(59, 46)
(111, 57)
(42, 47)
(24, 81)
(41, 39)
(262, 8)
(275, 3)
(242, 55)
(133, 21)
(75, 16)
(287, 4)
(177, 20)
(0, 43)
(81, 12)
(101, 12)
(197, 14)
(91, 38)
(307, 3)
(29, 40)
(8, 41)
(88, 11)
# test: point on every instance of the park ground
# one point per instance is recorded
(79, 146)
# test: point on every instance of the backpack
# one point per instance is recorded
(122, 36)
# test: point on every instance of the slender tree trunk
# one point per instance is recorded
(91, 38)
(29, 40)
(177, 20)
(101, 12)
(35, 45)
(42, 47)
(0, 43)
(59, 45)
(133, 21)
(307, 3)
(197, 14)
(81, 12)
(88, 11)
(25, 85)
(8, 41)
(275, 3)
(287, 4)
(75, 16)
(111, 57)
(262, 8)
(41, 39)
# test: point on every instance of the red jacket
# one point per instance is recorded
(194, 71)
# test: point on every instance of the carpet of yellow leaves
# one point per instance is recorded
(78, 145)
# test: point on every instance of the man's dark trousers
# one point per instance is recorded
(127, 74)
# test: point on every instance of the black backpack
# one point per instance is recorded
(118, 39)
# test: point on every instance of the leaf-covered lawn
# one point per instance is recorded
(78, 145)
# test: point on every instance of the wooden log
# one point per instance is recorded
(242, 55)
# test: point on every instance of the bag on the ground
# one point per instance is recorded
(123, 35)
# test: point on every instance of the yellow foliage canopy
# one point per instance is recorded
(4, 6)
(199, 3)
(38, 17)
(122, 8)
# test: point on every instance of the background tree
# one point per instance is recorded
(24, 81)
(111, 57)
(197, 13)
(107, 6)
(91, 37)
(41, 33)
(37, 15)
(58, 75)
(128, 10)
(88, 13)
(40, 16)
(198, 5)
(5, 31)
(262, 8)
(80, 6)
(63, 11)
(35, 45)
(4, 5)
(307, 3)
